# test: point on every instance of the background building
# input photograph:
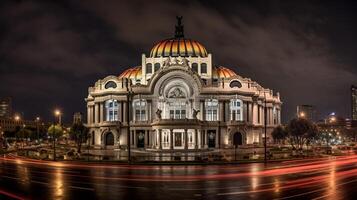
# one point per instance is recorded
(77, 117)
(354, 102)
(306, 111)
(5, 107)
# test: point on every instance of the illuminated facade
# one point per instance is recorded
(179, 101)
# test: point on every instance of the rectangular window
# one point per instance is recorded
(171, 114)
(148, 68)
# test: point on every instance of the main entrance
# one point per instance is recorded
(211, 139)
(140, 135)
(109, 139)
(237, 139)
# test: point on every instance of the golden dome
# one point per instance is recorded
(132, 73)
(178, 47)
(223, 72)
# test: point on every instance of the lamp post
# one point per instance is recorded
(57, 114)
(265, 128)
(128, 100)
(37, 128)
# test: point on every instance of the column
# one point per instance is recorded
(96, 113)
(88, 115)
(120, 111)
(226, 111)
(160, 138)
(255, 113)
(196, 139)
(101, 117)
(221, 111)
(124, 113)
(171, 139)
(186, 139)
(202, 110)
(146, 139)
(202, 139)
(134, 138)
(206, 138)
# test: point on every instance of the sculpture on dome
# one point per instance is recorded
(194, 113)
(158, 113)
(167, 62)
(185, 62)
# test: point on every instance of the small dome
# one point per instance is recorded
(223, 72)
(132, 73)
(178, 47)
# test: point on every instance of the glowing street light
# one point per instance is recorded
(302, 114)
(17, 118)
(58, 114)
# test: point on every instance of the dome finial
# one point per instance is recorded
(179, 28)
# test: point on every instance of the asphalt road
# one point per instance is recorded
(328, 178)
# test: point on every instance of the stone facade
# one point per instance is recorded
(178, 101)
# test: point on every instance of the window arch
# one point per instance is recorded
(110, 84)
(236, 109)
(235, 83)
(148, 68)
(203, 68)
(194, 67)
(211, 106)
(156, 67)
(111, 107)
(139, 109)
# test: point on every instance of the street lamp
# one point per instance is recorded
(128, 97)
(265, 128)
(57, 114)
(37, 128)
(302, 114)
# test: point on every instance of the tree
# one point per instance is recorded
(23, 133)
(55, 131)
(301, 132)
(79, 133)
(279, 134)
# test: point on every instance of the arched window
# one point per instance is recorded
(110, 84)
(139, 109)
(236, 110)
(148, 68)
(111, 107)
(203, 68)
(156, 67)
(194, 67)
(235, 83)
(275, 115)
(211, 106)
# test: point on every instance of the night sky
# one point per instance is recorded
(51, 52)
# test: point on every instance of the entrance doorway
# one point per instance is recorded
(237, 139)
(140, 135)
(211, 138)
(109, 139)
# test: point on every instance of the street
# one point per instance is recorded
(325, 178)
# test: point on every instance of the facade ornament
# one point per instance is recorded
(158, 113)
(185, 62)
(194, 113)
(176, 61)
(167, 62)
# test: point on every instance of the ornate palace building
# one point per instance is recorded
(177, 100)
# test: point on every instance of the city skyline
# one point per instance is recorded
(57, 52)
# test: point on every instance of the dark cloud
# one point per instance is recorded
(65, 47)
